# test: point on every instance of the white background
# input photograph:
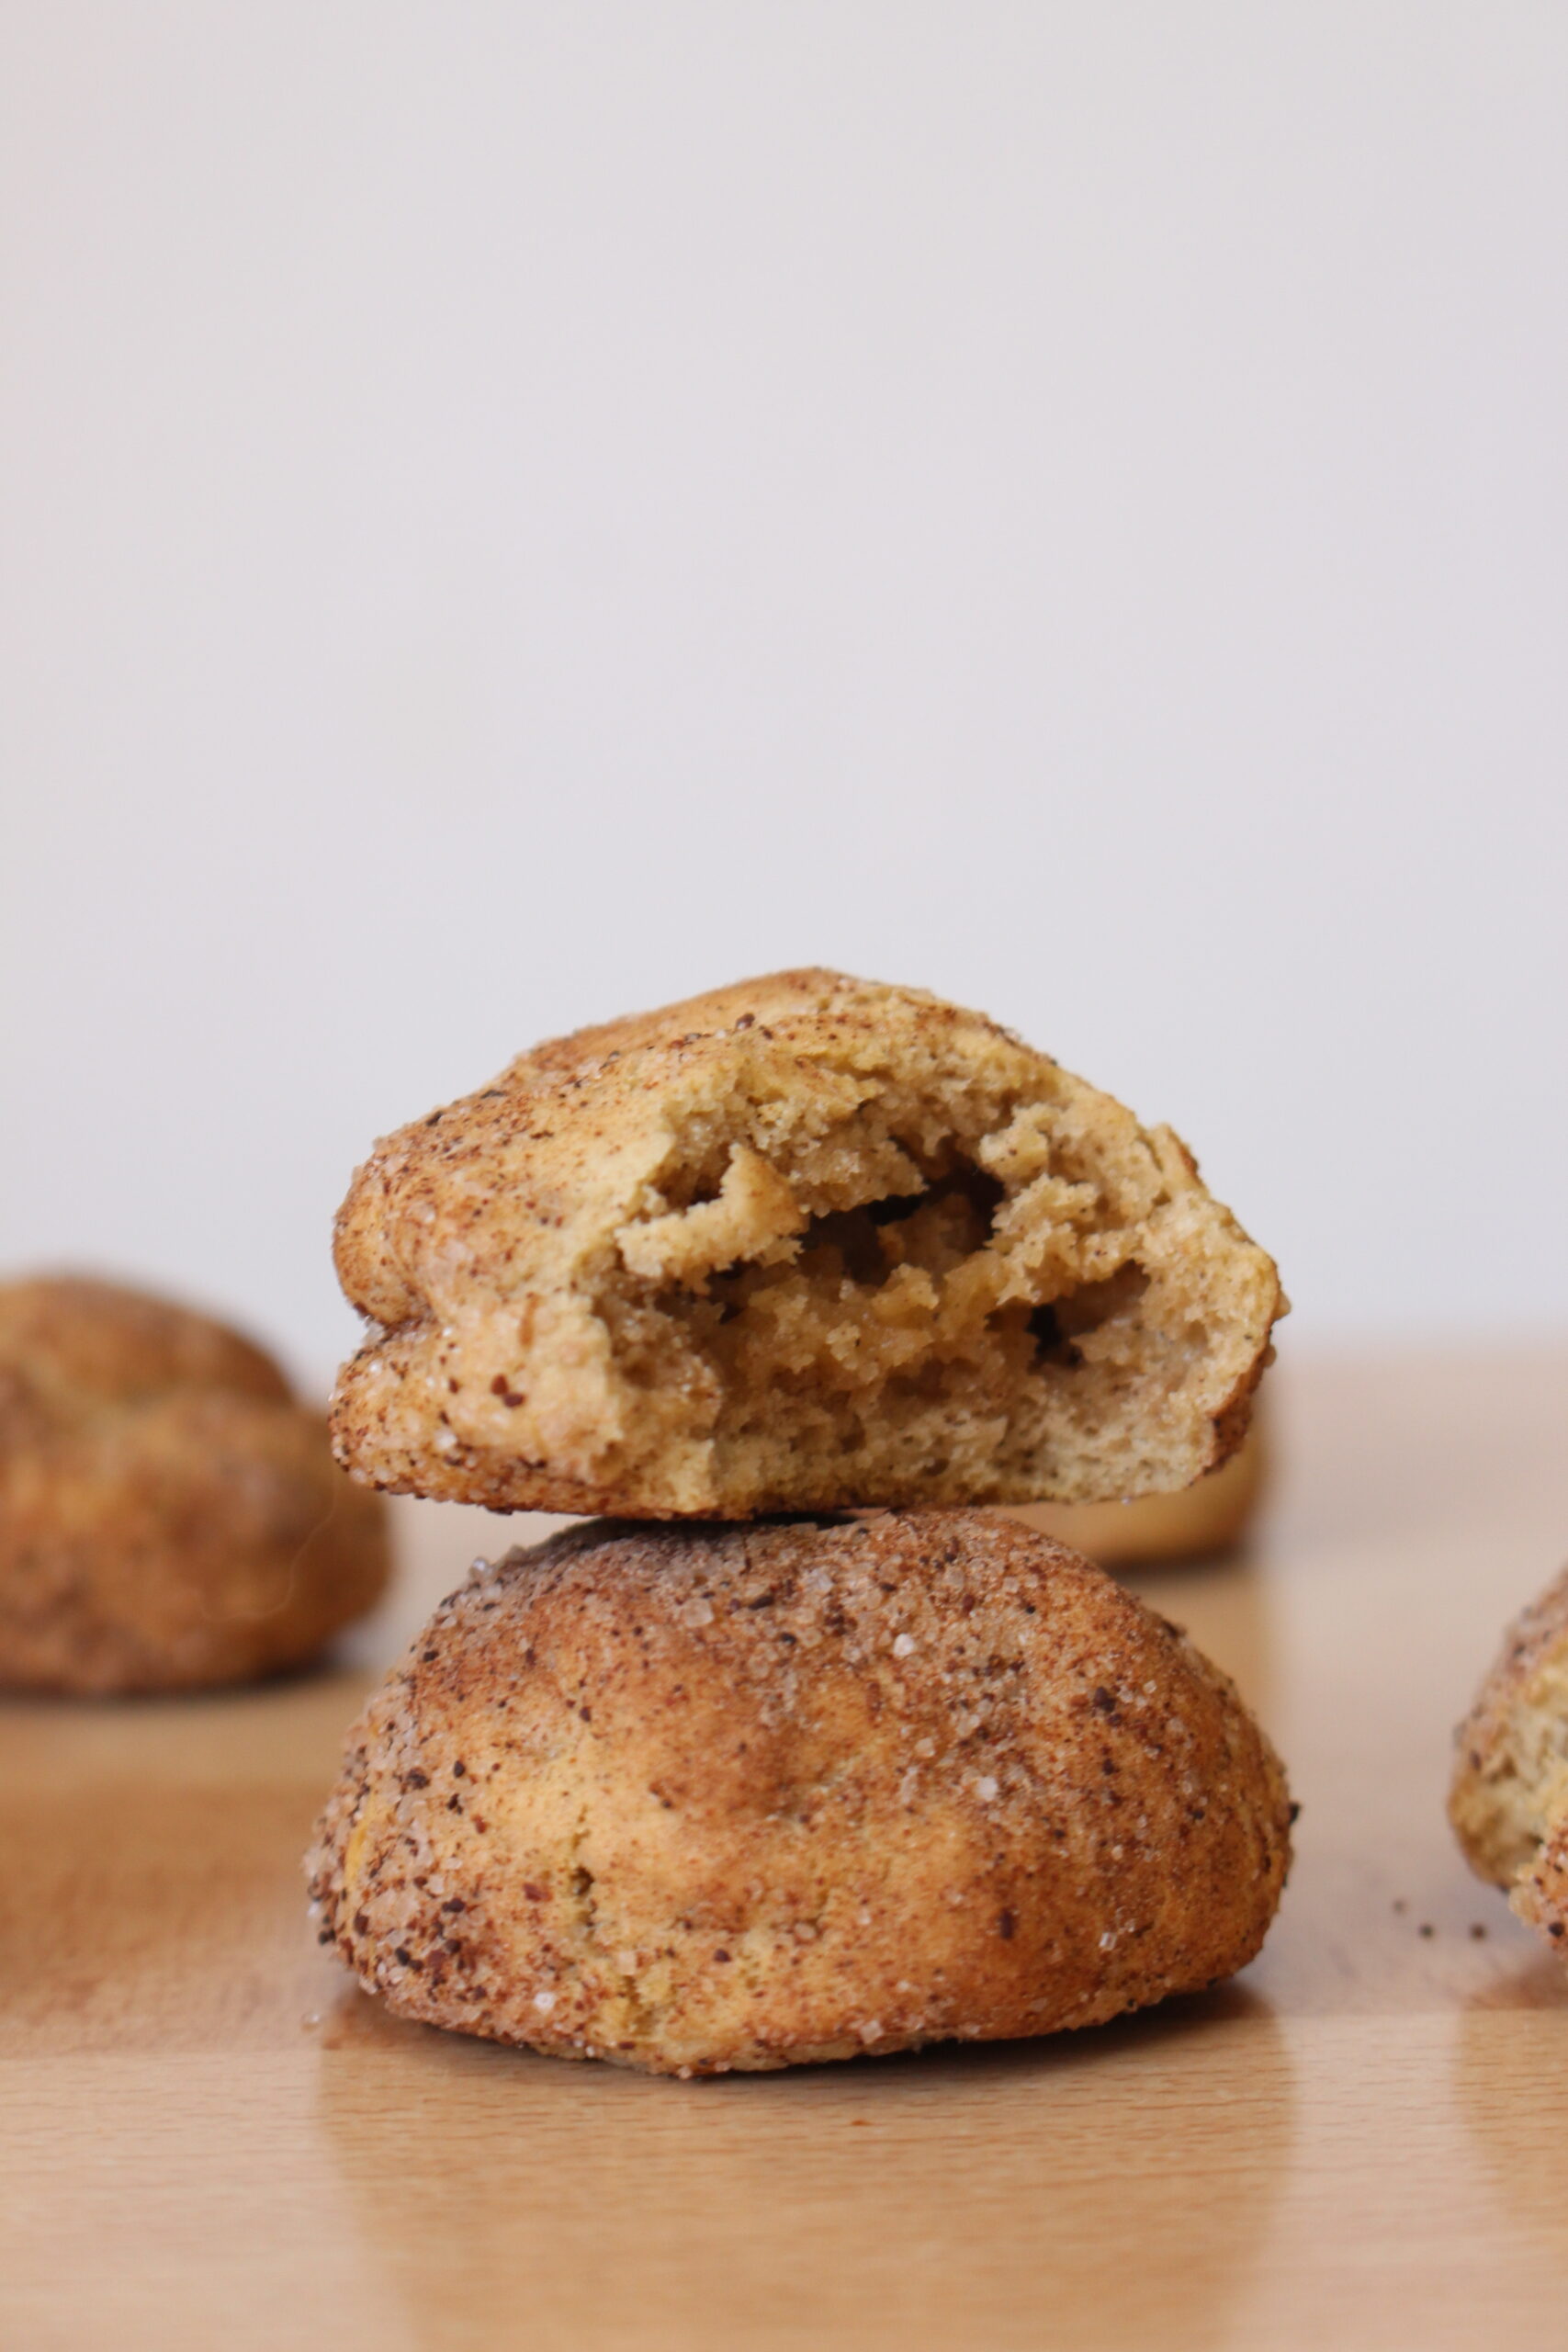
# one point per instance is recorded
(516, 511)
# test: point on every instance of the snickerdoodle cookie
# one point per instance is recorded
(1509, 1802)
(169, 1516)
(803, 1243)
(710, 1796)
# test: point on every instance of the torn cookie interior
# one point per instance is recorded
(931, 1303)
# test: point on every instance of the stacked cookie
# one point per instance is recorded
(801, 1754)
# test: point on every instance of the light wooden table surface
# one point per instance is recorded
(208, 2139)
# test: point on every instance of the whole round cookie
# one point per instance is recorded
(1509, 1800)
(169, 1517)
(807, 1243)
(719, 1796)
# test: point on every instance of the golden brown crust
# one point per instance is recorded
(1509, 1800)
(169, 1518)
(719, 1796)
(805, 1243)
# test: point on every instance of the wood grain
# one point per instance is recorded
(208, 2138)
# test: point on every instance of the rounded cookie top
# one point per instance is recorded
(169, 1517)
(77, 1342)
(805, 1243)
(717, 1796)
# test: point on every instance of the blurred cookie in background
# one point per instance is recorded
(1508, 1798)
(170, 1517)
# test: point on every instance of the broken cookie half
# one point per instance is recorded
(805, 1243)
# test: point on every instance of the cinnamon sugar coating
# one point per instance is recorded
(169, 1517)
(715, 1796)
(1508, 1799)
(805, 1243)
